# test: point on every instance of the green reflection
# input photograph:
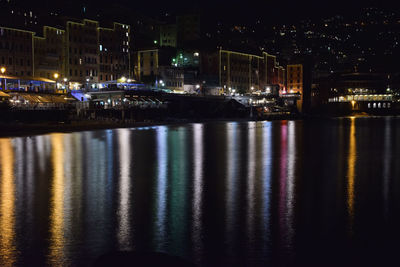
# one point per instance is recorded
(178, 203)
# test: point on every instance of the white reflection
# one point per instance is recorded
(43, 149)
(283, 183)
(124, 230)
(95, 187)
(267, 159)
(28, 190)
(68, 188)
(233, 146)
(251, 169)
(198, 186)
(291, 161)
(18, 144)
(161, 198)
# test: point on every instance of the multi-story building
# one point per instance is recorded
(146, 65)
(295, 78)
(295, 82)
(239, 72)
(49, 53)
(149, 61)
(248, 73)
(172, 77)
(114, 52)
(16, 52)
(82, 53)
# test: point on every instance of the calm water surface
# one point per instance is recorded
(312, 193)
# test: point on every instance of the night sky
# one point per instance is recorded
(234, 10)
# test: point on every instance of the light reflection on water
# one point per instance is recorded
(197, 205)
(231, 193)
(8, 251)
(124, 216)
(351, 174)
(57, 241)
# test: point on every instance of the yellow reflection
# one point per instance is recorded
(351, 162)
(56, 246)
(7, 204)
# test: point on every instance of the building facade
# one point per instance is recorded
(295, 82)
(49, 53)
(114, 49)
(82, 54)
(295, 78)
(151, 63)
(247, 73)
(16, 52)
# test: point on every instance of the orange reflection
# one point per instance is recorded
(351, 162)
(7, 204)
(56, 246)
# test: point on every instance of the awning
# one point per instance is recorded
(27, 78)
(2, 76)
(2, 94)
(39, 79)
(44, 98)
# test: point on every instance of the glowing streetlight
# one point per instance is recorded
(56, 75)
(3, 70)
(65, 80)
(123, 79)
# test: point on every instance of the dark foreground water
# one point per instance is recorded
(312, 193)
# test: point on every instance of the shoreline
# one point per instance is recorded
(9, 130)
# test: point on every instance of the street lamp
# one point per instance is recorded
(56, 75)
(65, 83)
(3, 70)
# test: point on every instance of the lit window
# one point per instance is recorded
(101, 47)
